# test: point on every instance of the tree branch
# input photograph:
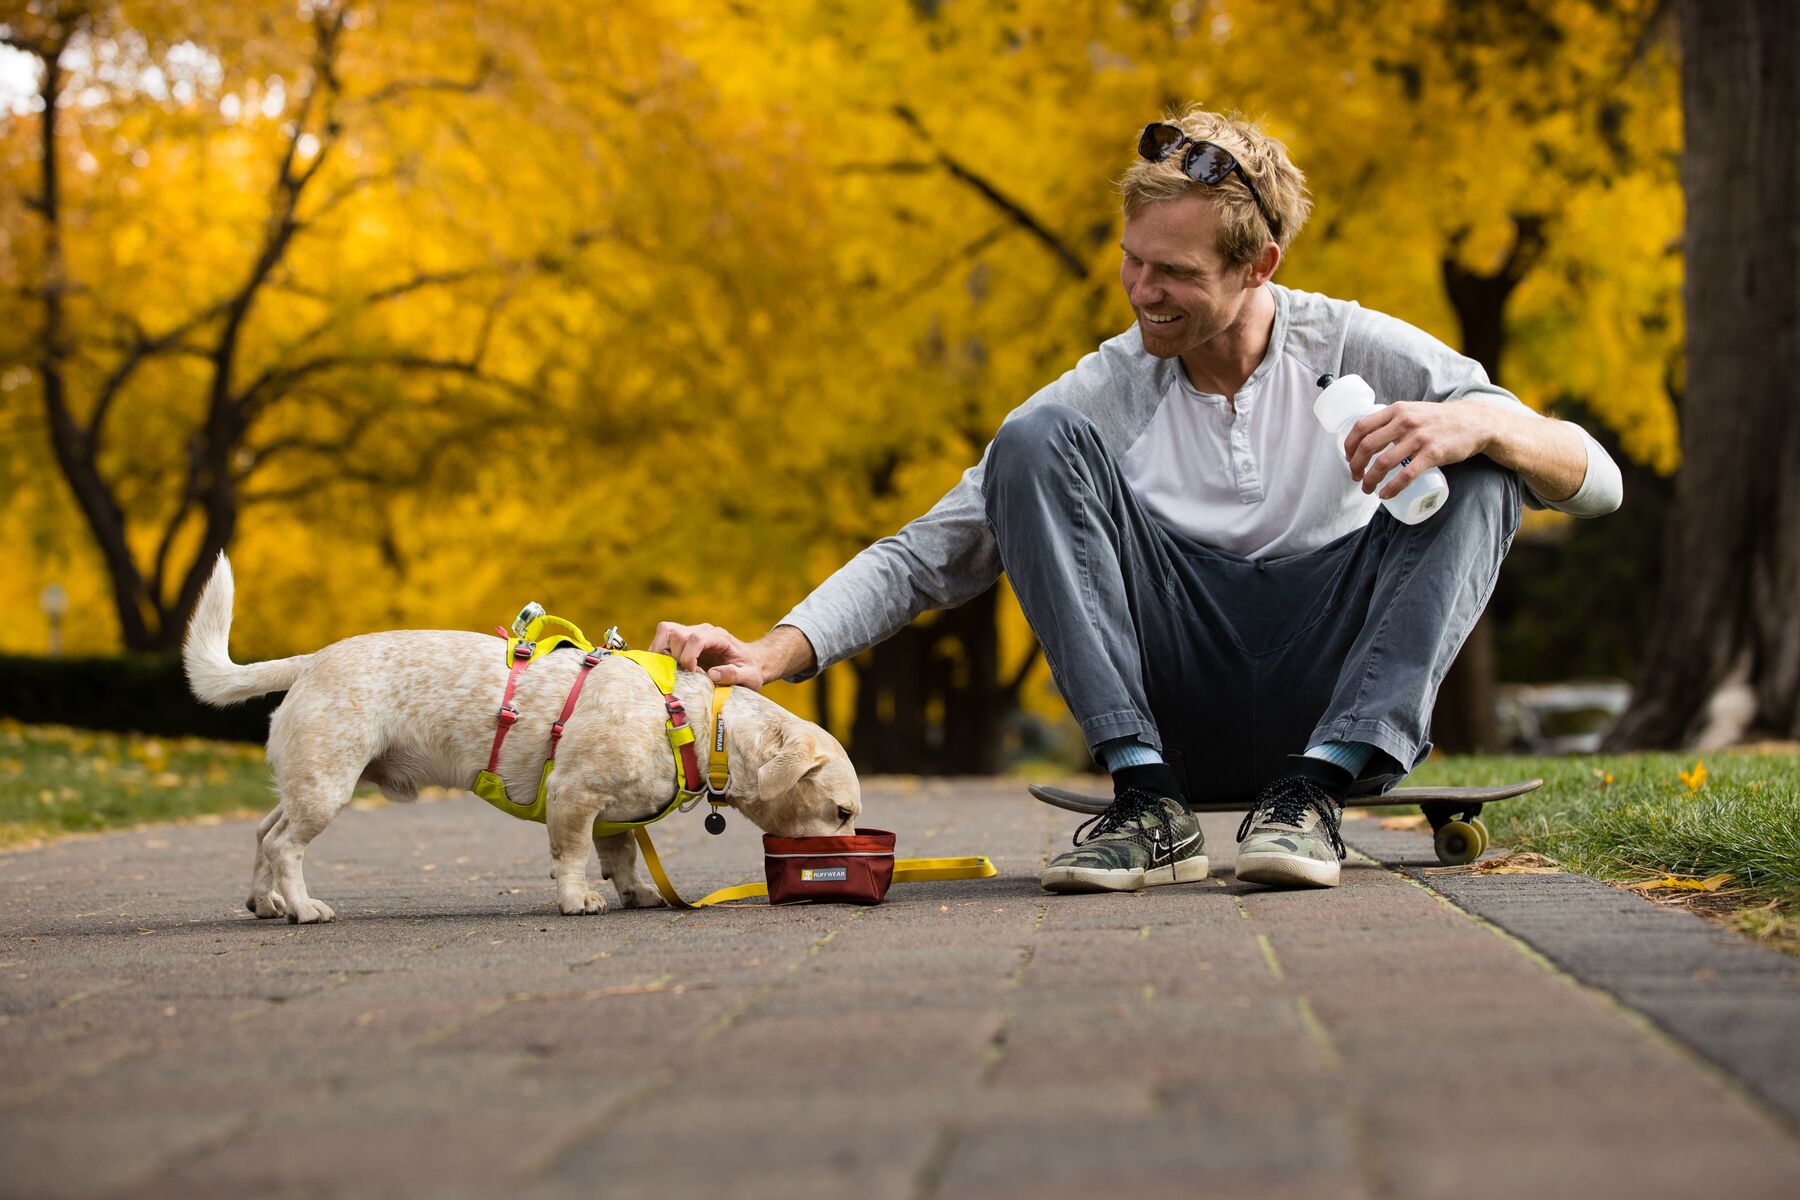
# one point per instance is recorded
(272, 384)
(1013, 686)
(143, 348)
(484, 71)
(190, 492)
(1069, 259)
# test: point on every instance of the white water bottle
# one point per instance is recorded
(1347, 400)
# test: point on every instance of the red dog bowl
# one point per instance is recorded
(830, 870)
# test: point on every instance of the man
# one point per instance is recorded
(1226, 609)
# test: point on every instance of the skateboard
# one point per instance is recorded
(1457, 832)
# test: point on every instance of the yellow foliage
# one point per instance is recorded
(663, 311)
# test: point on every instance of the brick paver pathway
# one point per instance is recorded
(452, 1035)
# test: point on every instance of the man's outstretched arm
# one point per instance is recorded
(781, 652)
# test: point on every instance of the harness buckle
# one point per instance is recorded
(508, 714)
(556, 732)
(593, 658)
(677, 711)
(523, 650)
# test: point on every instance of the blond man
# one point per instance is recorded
(1227, 610)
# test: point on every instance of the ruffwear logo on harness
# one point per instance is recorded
(824, 874)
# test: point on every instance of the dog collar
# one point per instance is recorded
(718, 761)
(718, 764)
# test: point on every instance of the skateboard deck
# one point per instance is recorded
(1458, 835)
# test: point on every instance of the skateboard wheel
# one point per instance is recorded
(1482, 829)
(1457, 843)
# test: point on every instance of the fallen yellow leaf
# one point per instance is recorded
(1678, 883)
(1696, 778)
(1516, 862)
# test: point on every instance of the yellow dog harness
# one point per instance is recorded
(546, 634)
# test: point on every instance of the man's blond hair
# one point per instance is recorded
(1242, 231)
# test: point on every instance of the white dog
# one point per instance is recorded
(413, 708)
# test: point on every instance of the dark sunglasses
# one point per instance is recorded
(1204, 162)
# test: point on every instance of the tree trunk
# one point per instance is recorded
(1731, 558)
(1463, 720)
(930, 700)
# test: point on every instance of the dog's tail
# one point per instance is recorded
(206, 653)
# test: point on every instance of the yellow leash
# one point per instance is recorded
(906, 870)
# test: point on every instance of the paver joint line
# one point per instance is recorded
(1268, 953)
(1319, 1034)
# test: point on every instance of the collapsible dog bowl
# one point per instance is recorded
(854, 869)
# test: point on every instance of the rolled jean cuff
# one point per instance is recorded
(1122, 723)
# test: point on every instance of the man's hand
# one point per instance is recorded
(782, 651)
(1429, 434)
(1549, 456)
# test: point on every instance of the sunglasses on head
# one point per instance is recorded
(1204, 162)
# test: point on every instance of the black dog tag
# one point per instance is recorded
(715, 822)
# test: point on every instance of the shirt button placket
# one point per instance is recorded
(1240, 446)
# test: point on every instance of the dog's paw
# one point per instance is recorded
(268, 906)
(640, 897)
(594, 903)
(313, 912)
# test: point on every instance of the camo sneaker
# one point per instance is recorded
(1290, 839)
(1142, 840)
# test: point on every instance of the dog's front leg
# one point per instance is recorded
(569, 825)
(618, 863)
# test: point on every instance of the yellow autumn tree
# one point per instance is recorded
(663, 312)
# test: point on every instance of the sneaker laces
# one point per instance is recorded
(1286, 801)
(1129, 808)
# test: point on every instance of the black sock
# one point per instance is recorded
(1334, 779)
(1156, 778)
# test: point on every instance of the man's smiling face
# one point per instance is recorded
(1183, 290)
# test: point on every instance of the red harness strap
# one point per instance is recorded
(587, 664)
(691, 779)
(509, 712)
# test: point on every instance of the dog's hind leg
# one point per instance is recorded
(311, 795)
(263, 901)
(569, 819)
(618, 863)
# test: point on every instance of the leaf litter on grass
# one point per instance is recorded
(1517, 862)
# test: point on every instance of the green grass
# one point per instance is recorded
(1629, 818)
(56, 781)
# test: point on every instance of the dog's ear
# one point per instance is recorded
(790, 764)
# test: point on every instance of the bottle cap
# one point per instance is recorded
(1347, 399)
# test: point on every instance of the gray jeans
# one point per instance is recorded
(1229, 665)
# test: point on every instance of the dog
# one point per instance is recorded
(413, 708)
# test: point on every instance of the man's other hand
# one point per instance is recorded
(783, 651)
(1419, 433)
(1549, 455)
